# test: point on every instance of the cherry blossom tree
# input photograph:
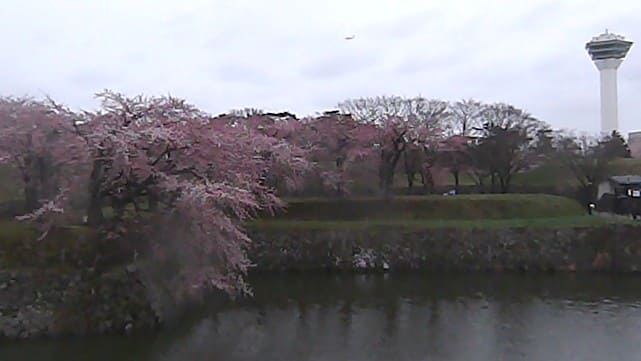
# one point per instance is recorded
(400, 122)
(38, 141)
(338, 142)
(187, 180)
(332, 142)
(283, 126)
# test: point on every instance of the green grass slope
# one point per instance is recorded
(553, 174)
(432, 207)
(64, 247)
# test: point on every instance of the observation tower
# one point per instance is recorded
(607, 52)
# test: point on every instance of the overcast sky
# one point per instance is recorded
(291, 54)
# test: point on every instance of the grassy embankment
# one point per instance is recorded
(462, 211)
(17, 245)
(552, 174)
(66, 248)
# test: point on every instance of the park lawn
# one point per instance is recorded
(546, 175)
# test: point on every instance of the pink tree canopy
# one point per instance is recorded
(398, 123)
(160, 161)
(38, 140)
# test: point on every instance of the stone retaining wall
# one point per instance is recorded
(607, 248)
(36, 303)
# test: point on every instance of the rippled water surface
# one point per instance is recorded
(391, 317)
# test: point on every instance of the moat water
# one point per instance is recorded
(390, 317)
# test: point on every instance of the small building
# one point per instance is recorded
(619, 194)
(634, 143)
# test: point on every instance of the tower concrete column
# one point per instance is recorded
(608, 51)
(609, 94)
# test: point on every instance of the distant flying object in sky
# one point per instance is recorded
(350, 37)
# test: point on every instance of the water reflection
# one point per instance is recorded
(403, 317)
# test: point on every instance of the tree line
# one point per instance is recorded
(190, 179)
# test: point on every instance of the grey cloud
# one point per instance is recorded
(539, 15)
(238, 72)
(340, 65)
(288, 55)
(91, 77)
(440, 60)
(410, 25)
(630, 78)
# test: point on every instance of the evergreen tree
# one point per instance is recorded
(615, 146)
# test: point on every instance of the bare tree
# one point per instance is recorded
(507, 116)
(466, 115)
(588, 160)
(431, 113)
(505, 146)
(246, 112)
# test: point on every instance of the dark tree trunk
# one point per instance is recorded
(94, 209)
(410, 182)
(504, 187)
(455, 173)
(152, 198)
(389, 181)
(412, 164)
(480, 183)
(118, 206)
(493, 183)
(44, 171)
(502, 184)
(386, 172)
(505, 183)
(38, 181)
(381, 177)
(428, 181)
(31, 196)
(391, 170)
